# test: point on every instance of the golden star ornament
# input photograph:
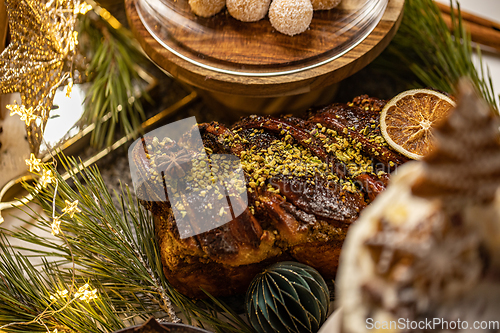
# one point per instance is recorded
(34, 163)
(47, 178)
(39, 57)
(71, 208)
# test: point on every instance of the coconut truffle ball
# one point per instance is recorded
(291, 17)
(324, 4)
(248, 10)
(206, 8)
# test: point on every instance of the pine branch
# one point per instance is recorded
(113, 80)
(27, 302)
(438, 57)
(116, 247)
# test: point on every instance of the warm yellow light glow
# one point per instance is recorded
(56, 226)
(85, 293)
(82, 9)
(34, 163)
(27, 115)
(69, 88)
(59, 294)
(47, 178)
(71, 208)
(73, 41)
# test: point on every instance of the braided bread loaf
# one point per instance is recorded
(307, 179)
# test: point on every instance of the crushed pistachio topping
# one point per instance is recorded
(282, 158)
(211, 177)
(349, 151)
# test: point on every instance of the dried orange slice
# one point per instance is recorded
(407, 119)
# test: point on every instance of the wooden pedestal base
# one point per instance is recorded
(250, 93)
(236, 106)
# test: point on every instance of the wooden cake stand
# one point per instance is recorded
(233, 46)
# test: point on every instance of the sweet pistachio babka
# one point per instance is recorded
(305, 179)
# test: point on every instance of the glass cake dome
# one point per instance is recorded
(223, 44)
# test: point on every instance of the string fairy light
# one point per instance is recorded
(83, 8)
(56, 226)
(84, 293)
(71, 208)
(27, 114)
(47, 178)
(34, 163)
(69, 88)
(36, 62)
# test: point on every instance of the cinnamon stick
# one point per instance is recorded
(468, 17)
(483, 31)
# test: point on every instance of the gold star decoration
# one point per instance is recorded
(47, 178)
(27, 115)
(69, 89)
(34, 64)
(59, 294)
(71, 208)
(34, 163)
(56, 226)
(86, 293)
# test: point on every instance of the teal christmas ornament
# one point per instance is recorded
(287, 297)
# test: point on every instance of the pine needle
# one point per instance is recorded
(116, 248)
(438, 57)
(113, 80)
(26, 304)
